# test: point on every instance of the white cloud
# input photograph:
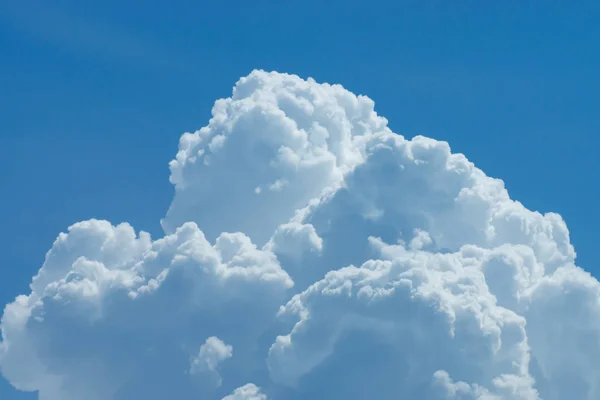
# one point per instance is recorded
(247, 392)
(282, 141)
(100, 326)
(212, 353)
(314, 252)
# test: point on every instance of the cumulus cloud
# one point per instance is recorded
(212, 353)
(115, 315)
(247, 392)
(311, 252)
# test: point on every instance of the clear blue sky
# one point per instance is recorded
(96, 94)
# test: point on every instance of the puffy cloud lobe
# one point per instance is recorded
(212, 353)
(563, 315)
(295, 240)
(270, 148)
(425, 311)
(247, 392)
(298, 247)
(122, 330)
(335, 258)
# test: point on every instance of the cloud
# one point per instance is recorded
(247, 392)
(212, 353)
(114, 315)
(314, 253)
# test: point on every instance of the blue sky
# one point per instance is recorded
(96, 97)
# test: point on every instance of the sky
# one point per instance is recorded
(96, 98)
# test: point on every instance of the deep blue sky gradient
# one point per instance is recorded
(96, 94)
